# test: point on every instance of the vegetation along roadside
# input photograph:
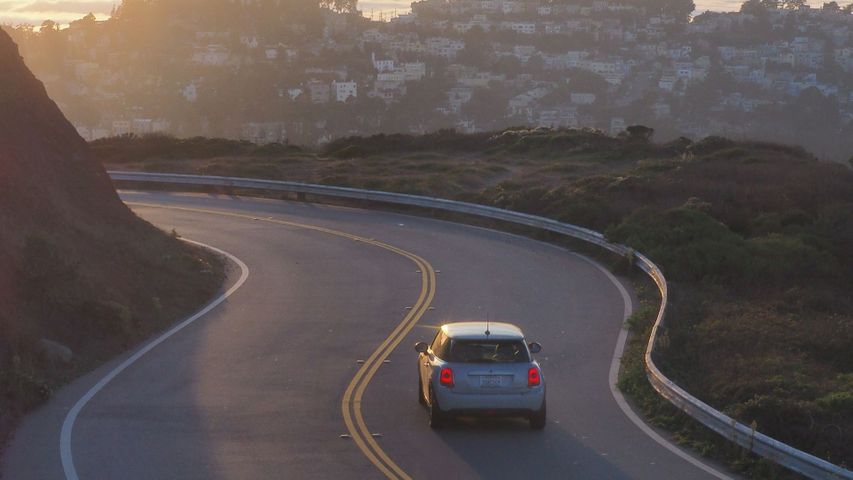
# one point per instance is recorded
(755, 239)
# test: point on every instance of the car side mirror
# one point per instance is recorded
(534, 347)
(421, 347)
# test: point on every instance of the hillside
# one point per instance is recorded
(306, 71)
(81, 277)
(755, 239)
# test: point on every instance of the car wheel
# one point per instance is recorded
(436, 417)
(421, 398)
(537, 419)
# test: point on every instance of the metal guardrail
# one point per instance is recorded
(745, 436)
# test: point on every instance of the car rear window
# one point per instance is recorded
(488, 351)
(440, 345)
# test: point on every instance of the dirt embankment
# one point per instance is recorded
(81, 277)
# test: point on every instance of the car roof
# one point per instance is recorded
(477, 330)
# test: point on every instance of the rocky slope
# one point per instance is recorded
(81, 277)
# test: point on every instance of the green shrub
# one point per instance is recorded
(350, 151)
(840, 402)
(24, 385)
(133, 148)
(709, 144)
(687, 243)
(641, 319)
(835, 223)
(779, 257)
(274, 149)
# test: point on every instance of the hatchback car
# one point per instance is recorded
(480, 368)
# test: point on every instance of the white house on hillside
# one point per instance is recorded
(345, 90)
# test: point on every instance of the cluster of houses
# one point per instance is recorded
(532, 51)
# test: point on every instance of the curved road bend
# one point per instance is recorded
(254, 389)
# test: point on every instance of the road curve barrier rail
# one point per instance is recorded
(743, 435)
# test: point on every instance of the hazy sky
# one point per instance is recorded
(63, 11)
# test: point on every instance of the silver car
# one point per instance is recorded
(483, 368)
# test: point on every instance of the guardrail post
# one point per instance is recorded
(753, 426)
(734, 430)
(300, 196)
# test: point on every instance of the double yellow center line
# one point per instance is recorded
(351, 402)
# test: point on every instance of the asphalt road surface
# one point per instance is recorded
(254, 388)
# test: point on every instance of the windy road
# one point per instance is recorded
(307, 371)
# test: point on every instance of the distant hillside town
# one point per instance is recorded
(261, 71)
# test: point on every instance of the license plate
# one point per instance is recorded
(490, 381)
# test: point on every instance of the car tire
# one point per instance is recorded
(538, 418)
(421, 398)
(436, 416)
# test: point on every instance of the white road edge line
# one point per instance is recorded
(71, 417)
(613, 379)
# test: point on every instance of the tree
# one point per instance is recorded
(831, 7)
(534, 65)
(88, 25)
(488, 106)
(52, 48)
(753, 7)
(340, 6)
(418, 105)
(680, 9)
(21, 33)
(476, 51)
(584, 81)
(472, 55)
(812, 111)
(506, 64)
(87, 21)
(640, 133)
(49, 26)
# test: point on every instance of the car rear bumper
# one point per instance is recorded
(509, 404)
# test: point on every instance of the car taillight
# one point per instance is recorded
(446, 377)
(533, 378)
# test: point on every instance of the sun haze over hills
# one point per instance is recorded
(34, 12)
(310, 71)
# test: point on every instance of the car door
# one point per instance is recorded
(427, 362)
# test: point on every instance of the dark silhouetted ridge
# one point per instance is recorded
(78, 270)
